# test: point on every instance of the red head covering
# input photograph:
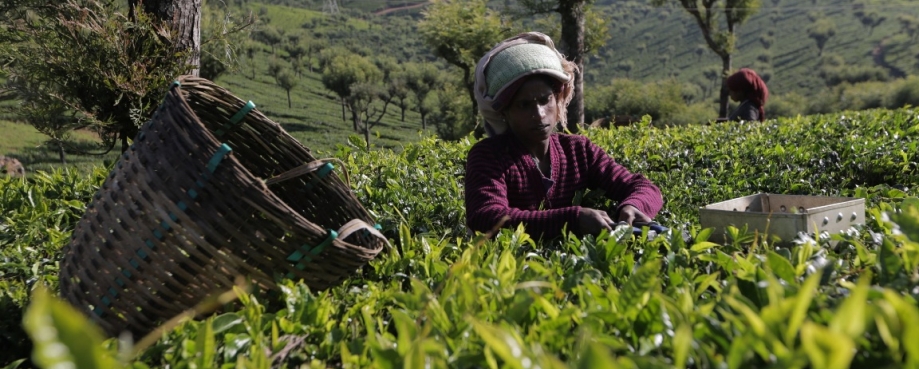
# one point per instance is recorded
(753, 88)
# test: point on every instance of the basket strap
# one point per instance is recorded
(324, 167)
(356, 225)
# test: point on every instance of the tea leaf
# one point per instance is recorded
(63, 337)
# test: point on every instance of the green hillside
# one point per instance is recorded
(657, 43)
(792, 57)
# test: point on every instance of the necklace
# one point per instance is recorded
(536, 161)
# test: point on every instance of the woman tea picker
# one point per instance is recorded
(750, 91)
(525, 169)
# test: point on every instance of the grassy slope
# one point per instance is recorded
(24, 143)
(315, 115)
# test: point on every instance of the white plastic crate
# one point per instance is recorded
(783, 215)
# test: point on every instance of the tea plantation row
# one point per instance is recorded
(440, 298)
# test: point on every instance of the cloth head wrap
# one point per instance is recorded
(503, 69)
(754, 89)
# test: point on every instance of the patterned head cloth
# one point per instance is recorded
(754, 89)
(502, 71)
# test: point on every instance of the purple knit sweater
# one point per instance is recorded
(502, 179)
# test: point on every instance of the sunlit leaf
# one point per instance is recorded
(682, 342)
(850, 317)
(780, 266)
(502, 343)
(826, 349)
(596, 355)
(63, 337)
(206, 346)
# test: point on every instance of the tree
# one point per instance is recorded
(718, 20)
(625, 66)
(364, 110)
(582, 31)
(461, 32)
(52, 119)
(821, 31)
(286, 80)
(422, 79)
(699, 51)
(270, 36)
(314, 46)
(275, 67)
(251, 47)
(105, 71)
(775, 16)
(868, 19)
(449, 112)
(343, 73)
(909, 25)
(663, 59)
(711, 74)
(296, 49)
(183, 18)
(767, 40)
(222, 42)
(398, 90)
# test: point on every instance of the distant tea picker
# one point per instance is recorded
(747, 88)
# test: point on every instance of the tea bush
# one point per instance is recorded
(441, 298)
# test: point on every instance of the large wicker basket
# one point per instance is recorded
(210, 190)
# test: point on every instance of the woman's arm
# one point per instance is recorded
(625, 187)
(486, 193)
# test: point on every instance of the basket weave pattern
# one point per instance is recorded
(211, 189)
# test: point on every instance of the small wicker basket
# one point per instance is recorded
(210, 190)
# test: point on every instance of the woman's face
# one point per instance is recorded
(533, 112)
(736, 95)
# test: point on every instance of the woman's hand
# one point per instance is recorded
(632, 215)
(592, 221)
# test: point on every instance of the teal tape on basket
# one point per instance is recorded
(375, 226)
(322, 173)
(218, 157)
(303, 255)
(238, 117)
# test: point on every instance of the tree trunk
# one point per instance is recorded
(288, 99)
(572, 46)
(367, 136)
(184, 19)
(470, 89)
(60, 153)
(723, 98)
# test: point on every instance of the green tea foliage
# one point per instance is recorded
(36, 221)
(442, 298)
